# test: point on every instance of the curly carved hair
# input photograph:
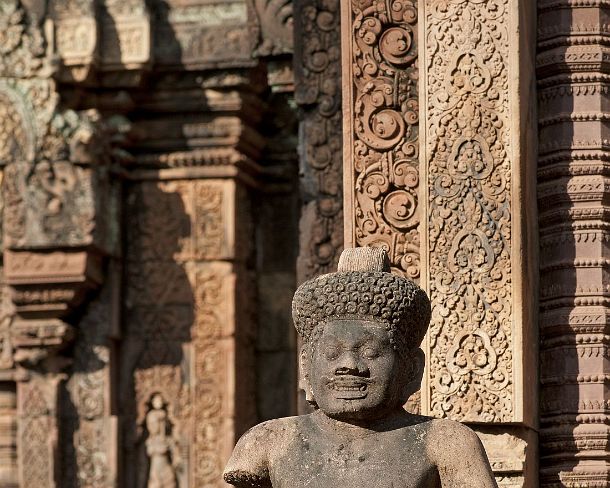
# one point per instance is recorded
(364, 289)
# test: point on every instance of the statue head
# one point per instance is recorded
(361, 329)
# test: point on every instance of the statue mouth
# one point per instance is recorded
(352, 388)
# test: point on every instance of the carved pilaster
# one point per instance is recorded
(186, 336)
(318, 92)
(381, 145)
(38, 432)
(449, 202)
(8, 435)
(189, 320)
(573, 190)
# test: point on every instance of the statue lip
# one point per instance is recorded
(350, 387)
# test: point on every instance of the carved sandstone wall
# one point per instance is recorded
(450, 206)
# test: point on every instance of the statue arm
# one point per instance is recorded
(248, 466)
(460, 457)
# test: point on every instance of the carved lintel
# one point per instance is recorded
(51, 283)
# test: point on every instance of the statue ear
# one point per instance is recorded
(416, 361)
(304, 383)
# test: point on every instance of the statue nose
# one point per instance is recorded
(350, 363)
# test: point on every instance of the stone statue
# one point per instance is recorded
(361, 328)
(158, 446)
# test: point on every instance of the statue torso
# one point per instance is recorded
(315, 456)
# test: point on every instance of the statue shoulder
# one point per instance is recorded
(458, 454)
(249, 463)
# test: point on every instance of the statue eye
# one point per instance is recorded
(332, 352)
(370, 352)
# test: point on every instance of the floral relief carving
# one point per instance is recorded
(385, 171)
(36, 432)
(469, 218)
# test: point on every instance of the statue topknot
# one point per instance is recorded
(363, 288)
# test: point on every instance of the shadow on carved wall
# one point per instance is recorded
(159, 315)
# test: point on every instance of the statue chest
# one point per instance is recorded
(383, 460)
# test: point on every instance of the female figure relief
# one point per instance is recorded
(159, 446)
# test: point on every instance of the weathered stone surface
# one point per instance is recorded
(317, 63)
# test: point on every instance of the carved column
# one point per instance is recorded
(451, 202)
(573, 186)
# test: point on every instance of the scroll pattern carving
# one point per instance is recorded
(385, 113)
(318, 91)
(469, 193)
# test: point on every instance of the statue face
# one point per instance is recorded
(354, 372)
(157, 401)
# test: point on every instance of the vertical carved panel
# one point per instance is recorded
(37, 400)
(573, 187)
(477, 198)
(382, 149)
(88, 453)
(318, 92)
(470, 185)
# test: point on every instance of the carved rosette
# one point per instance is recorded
(381, 158)
(468, 194)
(318, 92)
